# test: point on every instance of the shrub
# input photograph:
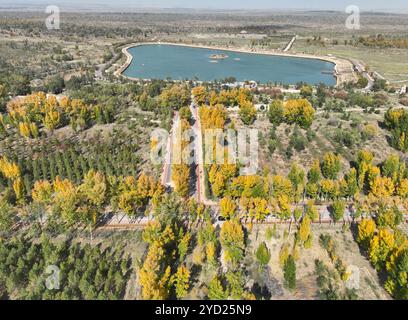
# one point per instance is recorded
(263, 255)
(289, 272)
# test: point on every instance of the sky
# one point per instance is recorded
(365, 5)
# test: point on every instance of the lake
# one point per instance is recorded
(162, 61)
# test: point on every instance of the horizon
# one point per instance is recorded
(395, 6)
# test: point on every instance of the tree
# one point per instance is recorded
(381, 246)
(145, 186)
(56, 85)
(183, 245)
(328, 188)
(42, 191)
(352, 183)
(218, 186)
(312, 190)
(284, 207)
(228, 207)
(247, 112)
(211, 251)
(297, 178)
(402, 189)
(297, 141)
(284, 254)
(94, 188)
(397, 282)
(389, 217)
(369, 131)
(18, 188)
(181, 176)
(10, 170)
(213, 117)
(261, 209)
(321, 94)
(185, 113)
(297, 214)
(263, 255)
(281, 186)
(304, 232)
(366, 229)
(24, 129)
(394, 168)
(311, 210)
(181, 281)
(65, 198)
(379, 84)
(216, 291)
(7, 216)
(276, 112)
(236, 284)
(200, 95)
(338, 210)
(175, 97)
(314, 174)
(299, 111)
(3, 128)
(331, 165)
(153, 277)
(289, 272)
(143, 100)
(20, 85)
(232, 240)
(306, 91)
(362, 82)
(396, 120)
(52, 119)
(382, 187)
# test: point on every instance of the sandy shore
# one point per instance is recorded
(343, 68)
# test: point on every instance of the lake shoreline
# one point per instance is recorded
(336, 61)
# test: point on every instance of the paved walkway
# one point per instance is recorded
(290, 44)
(166, 179)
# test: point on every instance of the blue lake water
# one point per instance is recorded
(186, 63)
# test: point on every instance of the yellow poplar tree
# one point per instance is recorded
(227, 207)
(153, 281)
(218, 187)
(261, 209)
(366, 230)
(52, 120)
(65, 197)
(200, 95)
(181, 281)
(211, 250)
(232, 240)
(42, 191)
(382, 187)
(381, 247)
(304, 229)
(18, 188)
(180, 177)
(402, 189)
(24, 129)
(10, 170)
(94, 188)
